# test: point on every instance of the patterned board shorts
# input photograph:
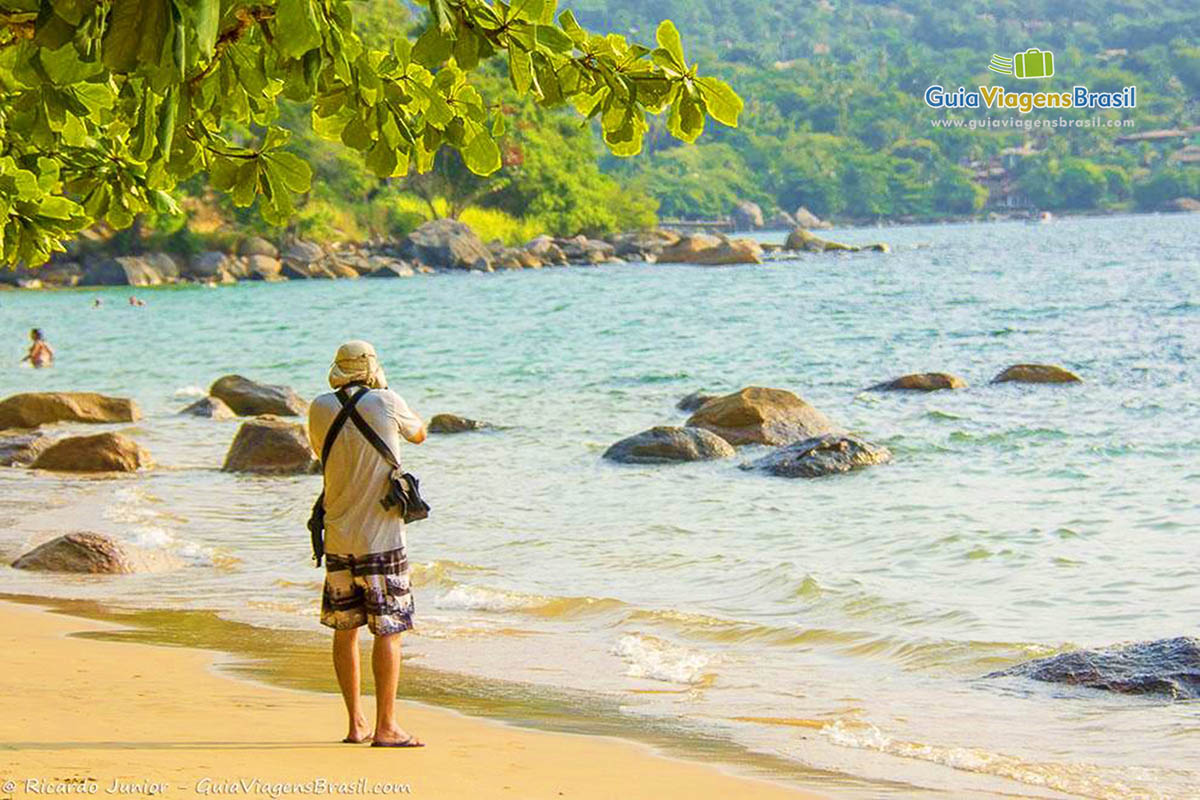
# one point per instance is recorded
(371, 590)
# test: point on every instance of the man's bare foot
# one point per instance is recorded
(359, 732)
(394, 735)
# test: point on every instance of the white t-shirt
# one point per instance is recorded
(356, 477)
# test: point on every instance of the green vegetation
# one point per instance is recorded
(473, 109)
(106, 106)
(836, 120)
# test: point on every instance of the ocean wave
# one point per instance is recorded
(656, 659)
(466, 597)
(189, 391)
(1083, 779)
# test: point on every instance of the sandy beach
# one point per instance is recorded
(165, 721)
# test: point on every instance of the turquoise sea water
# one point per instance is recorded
(842, 623)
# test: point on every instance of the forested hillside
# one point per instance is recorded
(834, 121)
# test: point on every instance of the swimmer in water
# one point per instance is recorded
(40, 353)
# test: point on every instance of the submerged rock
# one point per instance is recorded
(1036, 373)
(664, 444)
(249, 398)
(822, 455)
(800, 239)
(92, 553)
(102, 452)
(1165, 666)
(211, 407)
(693, 401)
(31, 409)
(757, 415)
(921, 382)
(451, 423)
(271, 446)
(21, 447)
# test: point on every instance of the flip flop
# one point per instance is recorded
(348, 740)
(409, 742)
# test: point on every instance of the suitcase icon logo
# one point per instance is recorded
(1033, 63)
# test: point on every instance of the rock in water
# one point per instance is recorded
(249, 398)
(152, 269)
(21, 448)
(921, 382)
(711, 251)
(756, 415)
(1036, 373)
(663, 445)
(446, 244)
(94, 553)
(822, 455)
(103, 452)
(800, 239)
(211, 407)
(78, 552)
(271, 446)
(1164, 666)
(693, 401)
(449, 423)
(32, 409)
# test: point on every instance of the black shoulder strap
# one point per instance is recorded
(348, 402)
(371, 436)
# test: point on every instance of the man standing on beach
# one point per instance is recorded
(366, 567)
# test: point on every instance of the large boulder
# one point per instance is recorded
(708, 250)
(101, 452)
(693, 401)
(299, 251)
(1036, 373)
(1187, 205)
(546, 251)
(250, 398)
(446, 244)
(781, 221)
(211, 265)
(582, 250)
(664, 444)
(1165, 666)
(153, 269)
(757, 415)
(829, 454)
(210, 407)
(271, 446)
(93, 553)
(21, 447)
(808, 220)
(746, 216)
(451, 423)
(32, 409)
(921, 382)
(801, 240)
(260, 267)
(257, 246)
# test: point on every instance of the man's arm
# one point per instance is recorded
(411, 426)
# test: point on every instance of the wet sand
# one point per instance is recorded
(165, 721)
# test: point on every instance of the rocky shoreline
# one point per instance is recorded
(443, 245)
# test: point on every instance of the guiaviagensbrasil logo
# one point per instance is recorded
(1032, 63)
